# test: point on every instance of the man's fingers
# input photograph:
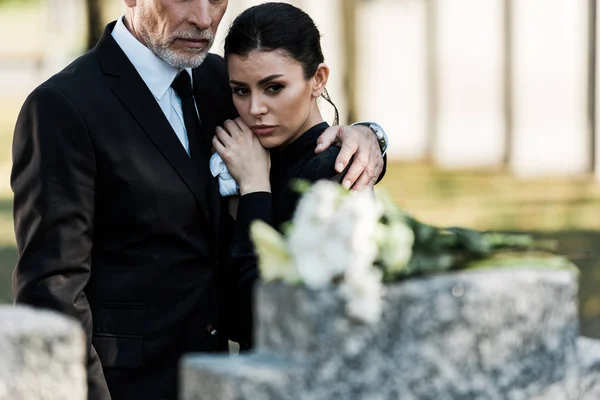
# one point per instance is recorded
(346, 152)
(369, 177)
(376, 173)
(326, 139)
(355, 171)
(365, 181)
(372, 171)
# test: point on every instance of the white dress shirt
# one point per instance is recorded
(157, 75)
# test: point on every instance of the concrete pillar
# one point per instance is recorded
(597, 94)
(328, 16)
(65, 27)
(234, 8)
(550, 87)
(42, 356)
(392, 72)
(469, 55)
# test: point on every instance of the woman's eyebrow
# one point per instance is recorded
(269, 78)
(261, 82)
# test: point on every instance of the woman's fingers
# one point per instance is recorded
(242, 125)
(223, 136)
(235, 127)
(218, 146)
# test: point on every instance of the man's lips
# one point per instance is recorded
(197, 43)
(263, 129)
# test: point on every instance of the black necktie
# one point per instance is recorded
(183, 87)
(199, 155)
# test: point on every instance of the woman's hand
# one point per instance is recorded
(247, 160)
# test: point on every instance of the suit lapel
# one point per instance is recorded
(139, 101)
(207, 103)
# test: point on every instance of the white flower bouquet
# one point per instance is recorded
(355, 242)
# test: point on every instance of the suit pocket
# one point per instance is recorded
(119, 351)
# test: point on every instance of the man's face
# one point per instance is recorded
(179, 31)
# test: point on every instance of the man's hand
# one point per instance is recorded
(357, 141)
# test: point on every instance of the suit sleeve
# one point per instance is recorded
(383, 170)
(53, 180)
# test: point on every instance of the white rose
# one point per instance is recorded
(318, 204)
(395, 247)
(274, 259)
(333, 230)
(363, 291)
(309, 237)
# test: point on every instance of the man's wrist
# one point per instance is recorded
(379, 133)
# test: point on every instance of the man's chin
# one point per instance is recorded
(184, 59)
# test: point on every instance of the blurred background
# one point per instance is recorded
(491, 106)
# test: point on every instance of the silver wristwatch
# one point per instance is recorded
(380, 134)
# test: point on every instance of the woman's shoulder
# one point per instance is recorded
(321, 166)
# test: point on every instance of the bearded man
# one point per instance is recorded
(118, 220)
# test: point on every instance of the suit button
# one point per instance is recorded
(211, 330)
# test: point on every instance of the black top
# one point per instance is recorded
(297, 161)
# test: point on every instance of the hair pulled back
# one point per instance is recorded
(278, 27)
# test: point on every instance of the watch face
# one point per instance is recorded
(375, 129)
(380, 137)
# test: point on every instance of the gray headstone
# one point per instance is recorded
(256, 377)
(493, 334)
(42, 356)
(589, 350)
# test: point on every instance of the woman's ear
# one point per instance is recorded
(320, 80)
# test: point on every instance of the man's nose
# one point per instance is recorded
(200, 14)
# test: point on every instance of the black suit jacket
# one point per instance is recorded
(113, 222)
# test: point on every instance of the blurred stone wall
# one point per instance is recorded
(465, 83)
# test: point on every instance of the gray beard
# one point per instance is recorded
(178, 60)
(191, 59)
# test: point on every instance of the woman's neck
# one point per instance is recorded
(313, 119)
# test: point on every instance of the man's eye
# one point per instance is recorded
(240, 91)
(272, 89)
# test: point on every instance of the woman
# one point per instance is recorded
(276, 77)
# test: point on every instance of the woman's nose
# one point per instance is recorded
(257, 106)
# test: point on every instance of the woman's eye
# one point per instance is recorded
(272, 89)
(240, 91)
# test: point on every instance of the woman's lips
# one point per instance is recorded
(261, 130)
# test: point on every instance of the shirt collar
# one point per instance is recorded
(155, 72)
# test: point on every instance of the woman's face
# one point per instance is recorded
(273, 97)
